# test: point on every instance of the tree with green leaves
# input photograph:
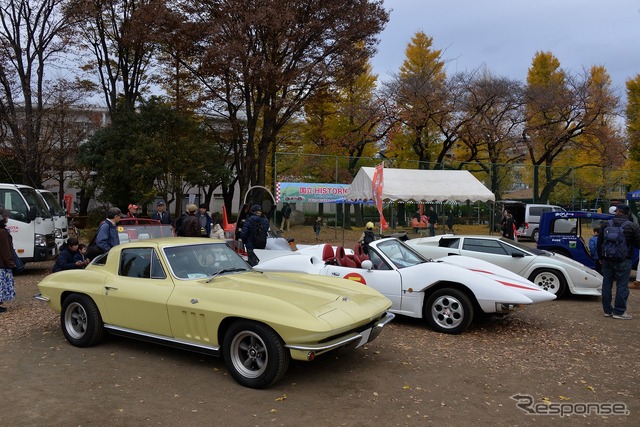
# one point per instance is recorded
(154, 152)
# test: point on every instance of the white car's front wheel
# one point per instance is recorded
(449, 310)
(549, 280)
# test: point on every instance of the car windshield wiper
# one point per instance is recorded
(224, 270)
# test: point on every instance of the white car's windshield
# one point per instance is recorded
(200, 261)
(400, 254)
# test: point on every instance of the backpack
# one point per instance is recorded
(368, 238)
(614, 245)
(258, 235)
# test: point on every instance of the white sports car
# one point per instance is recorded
(552, 272)
(444, 293)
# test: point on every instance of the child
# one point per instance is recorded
(316, 227)
(69, 257)
(593, 249)
(82, 250)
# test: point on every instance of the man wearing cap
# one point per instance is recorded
(618, 269)
(247, 233)
(161, 214)
(133, 211)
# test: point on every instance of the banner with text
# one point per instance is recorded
(302, 192)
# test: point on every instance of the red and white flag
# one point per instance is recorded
(377, 186)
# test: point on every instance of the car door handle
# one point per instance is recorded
(111, 288)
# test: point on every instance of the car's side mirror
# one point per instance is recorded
(367, 264)
(517, 255)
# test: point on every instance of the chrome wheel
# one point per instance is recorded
(249, 354)
(449, 311)
(75, 320)
(80, 321)
(254, 354)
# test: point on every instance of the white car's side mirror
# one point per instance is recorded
(367, 264)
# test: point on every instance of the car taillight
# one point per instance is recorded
(526, 225)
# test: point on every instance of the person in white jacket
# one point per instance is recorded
(217, 232)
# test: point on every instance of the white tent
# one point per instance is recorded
(419, 185)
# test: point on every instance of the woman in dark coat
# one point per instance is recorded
(7, 285)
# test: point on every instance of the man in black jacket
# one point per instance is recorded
(618, 268)
(161, 214)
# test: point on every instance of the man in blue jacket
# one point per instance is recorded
(107, 236)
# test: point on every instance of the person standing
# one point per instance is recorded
(286, 216)
(205, 220)
(593, 249)
(132, 211)
(190, 225)
(433, 221)
(450, 221)
(107, 235)
(254, 233)
(7, 285)
(217, 232)
(507, 225)
(617, 268)
(316, 227)
(161, 214)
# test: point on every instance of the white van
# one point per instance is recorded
(61, 226)
(529, 228)
(30, 222)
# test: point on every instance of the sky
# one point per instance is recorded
(504, 35)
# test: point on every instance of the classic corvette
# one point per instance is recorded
(447, 295)
(552, 272)
(200, 295)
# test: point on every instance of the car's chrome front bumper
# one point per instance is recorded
(356, 339)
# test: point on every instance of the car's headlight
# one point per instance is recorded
(58, 233)
(41, 240)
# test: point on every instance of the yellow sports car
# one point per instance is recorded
(199, 294)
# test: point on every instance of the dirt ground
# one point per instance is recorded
(563, 353)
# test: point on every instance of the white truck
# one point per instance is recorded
(30, 222)
(60, 223)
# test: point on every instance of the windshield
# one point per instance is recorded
(200, 261)
(400, 254)
(524, 248)
(53, 203)
(35, 199)
(133, 232)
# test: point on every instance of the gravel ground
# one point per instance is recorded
(559, 353)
